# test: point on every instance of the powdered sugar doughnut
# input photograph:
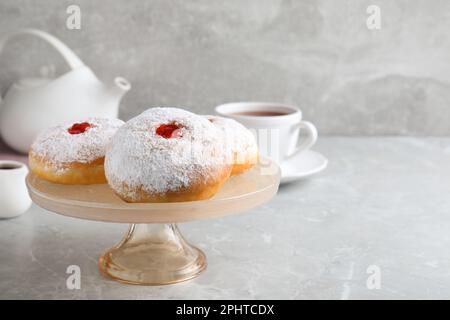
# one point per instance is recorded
(73, 153)
(167, 155)
(241, 142)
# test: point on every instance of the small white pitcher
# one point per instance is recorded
(14, 198)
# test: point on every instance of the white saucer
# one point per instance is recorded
(303, 165)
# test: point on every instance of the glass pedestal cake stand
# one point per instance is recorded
(153, 252)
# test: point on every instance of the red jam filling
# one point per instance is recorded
(170, 130)
(78, 128)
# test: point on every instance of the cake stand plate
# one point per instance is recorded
(153, 252)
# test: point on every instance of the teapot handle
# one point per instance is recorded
(69, 56)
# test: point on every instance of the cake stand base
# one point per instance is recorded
(152, 254)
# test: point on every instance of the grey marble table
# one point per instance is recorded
(382, 203)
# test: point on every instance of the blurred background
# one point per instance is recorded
(317, 54)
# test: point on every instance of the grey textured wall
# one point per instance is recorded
(318, 54)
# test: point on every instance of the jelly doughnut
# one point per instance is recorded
(73, 153)
(241, 142)
(167, 155)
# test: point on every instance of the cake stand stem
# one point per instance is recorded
(152, 254)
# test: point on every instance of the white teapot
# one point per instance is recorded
(31, 105)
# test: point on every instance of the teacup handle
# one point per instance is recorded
(310, 139)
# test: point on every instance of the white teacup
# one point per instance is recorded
(276, 126)
(14, 198)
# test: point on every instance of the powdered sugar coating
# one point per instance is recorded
(59, 148)
(237, 138)
(143, 160)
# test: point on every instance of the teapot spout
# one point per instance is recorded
(120, 87)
